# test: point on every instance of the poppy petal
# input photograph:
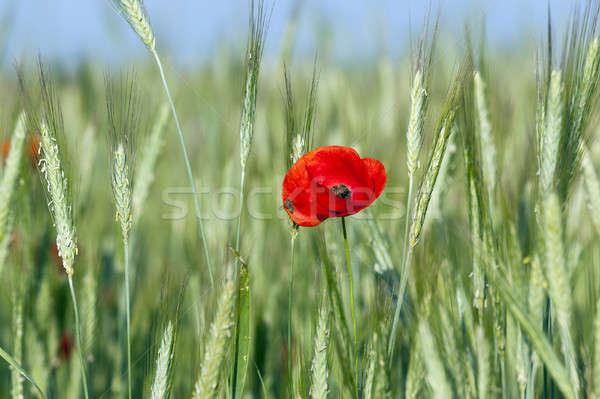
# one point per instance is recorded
(296, 196)
(377, 174)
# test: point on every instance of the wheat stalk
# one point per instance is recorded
(59, 200)
(122, 113)
(254, 54)
(554, 260)
(133, 11)
(90, 299)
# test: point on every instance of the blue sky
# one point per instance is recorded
(190, 31)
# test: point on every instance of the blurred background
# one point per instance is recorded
(192, 31)
(364, 76)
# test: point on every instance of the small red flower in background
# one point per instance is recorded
(66, 347)
(32, 145)
(331, 181)
(5, 148)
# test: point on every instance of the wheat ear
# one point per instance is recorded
(592, 188)
(216, 346)
(61, 210)
(551, 133)
(488, 149)
(318, 386)
(134, 12)
(11, 173)
(436, 375)
(8, 186)
(163, 364)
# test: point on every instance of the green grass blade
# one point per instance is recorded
(335, 302)
(538, 340)
(14, 364)
(244, 329)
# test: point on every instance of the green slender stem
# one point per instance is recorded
(78, 337)
(291, 291)
(128, 311)
(188, 166)
(351, 297)
(14, 364)
(406, 254)
(239, 222)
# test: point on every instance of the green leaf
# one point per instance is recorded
(243, 335)
(4, 355)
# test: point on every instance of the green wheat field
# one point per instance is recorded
(475, 274)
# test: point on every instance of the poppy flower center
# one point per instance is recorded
(289, 205)
(341, 191)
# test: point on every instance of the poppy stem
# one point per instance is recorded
(289, 332)
(351, 297)
(78, 336)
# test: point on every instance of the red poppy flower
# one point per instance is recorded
(329, 182)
